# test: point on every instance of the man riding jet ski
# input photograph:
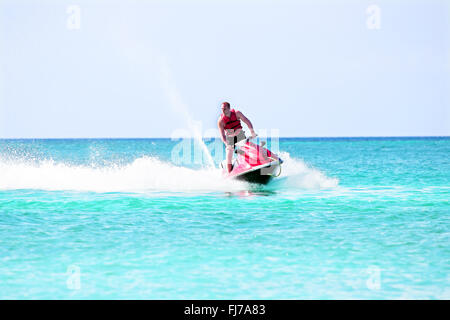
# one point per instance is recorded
(254, 163)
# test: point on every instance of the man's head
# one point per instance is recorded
(225, 108)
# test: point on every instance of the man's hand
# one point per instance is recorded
(240, 116)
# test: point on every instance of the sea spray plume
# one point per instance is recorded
(134, 49)
(182, 109)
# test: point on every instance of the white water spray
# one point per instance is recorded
(181, 108)
(145, 174)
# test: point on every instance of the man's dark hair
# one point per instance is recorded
(226, 103)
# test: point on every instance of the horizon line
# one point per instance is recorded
(211, 137)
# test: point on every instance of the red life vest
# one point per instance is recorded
(231, 122)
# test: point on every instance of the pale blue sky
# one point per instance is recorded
(147, 68)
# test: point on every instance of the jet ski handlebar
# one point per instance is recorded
(250, 138)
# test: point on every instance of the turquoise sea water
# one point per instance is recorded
(128, 218)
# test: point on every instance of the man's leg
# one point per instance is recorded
(230, 150)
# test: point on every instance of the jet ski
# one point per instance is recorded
(254, 163)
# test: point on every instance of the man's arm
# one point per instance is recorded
(222, 130)
(240, 116)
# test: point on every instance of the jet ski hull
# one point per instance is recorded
(260, 176)
(254, 164)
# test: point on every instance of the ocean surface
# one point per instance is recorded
(348, 218)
